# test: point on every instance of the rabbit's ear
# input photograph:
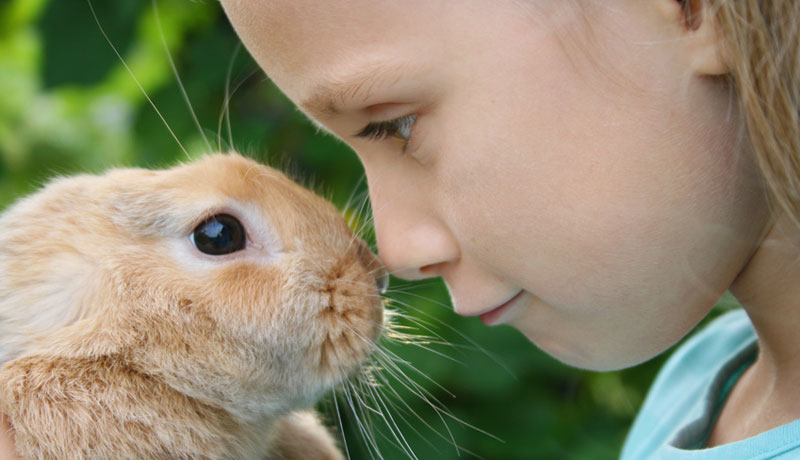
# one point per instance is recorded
(65, 311)
(40, 295)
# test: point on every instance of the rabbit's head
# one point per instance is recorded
(221, 277)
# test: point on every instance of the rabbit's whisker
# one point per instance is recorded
(449, 438)
(371, 385)
(391, 360)
(483, 350)
(368, 432)
(133, 76)
(361, 427)
(341, 425)
(388, 362)
(225, 110)
(358, 230)
(364, 404)
(177, 76)
(354, 195)
(438, 410)
(395, 430)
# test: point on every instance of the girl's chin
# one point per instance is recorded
(588, 355)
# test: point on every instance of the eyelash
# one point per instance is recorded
(399, 128)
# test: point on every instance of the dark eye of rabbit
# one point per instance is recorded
(218, 235)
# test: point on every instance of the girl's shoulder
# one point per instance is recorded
(682, 399)
(705, 353)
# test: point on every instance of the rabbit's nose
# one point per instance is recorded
(382, 280)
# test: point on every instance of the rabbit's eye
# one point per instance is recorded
(218, 235)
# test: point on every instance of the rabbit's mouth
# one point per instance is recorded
(352, 328)
(352, 317)
(349, 313)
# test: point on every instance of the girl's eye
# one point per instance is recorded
(399, 128)
(219, 235)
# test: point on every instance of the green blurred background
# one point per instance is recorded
(67, 104)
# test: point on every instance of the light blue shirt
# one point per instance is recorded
(684, 401)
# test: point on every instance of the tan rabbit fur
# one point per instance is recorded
(120, 340)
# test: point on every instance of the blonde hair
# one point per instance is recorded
(763, 47)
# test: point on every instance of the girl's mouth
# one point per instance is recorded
(494, 316)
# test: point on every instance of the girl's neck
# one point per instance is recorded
(767, 395)
(769, 291)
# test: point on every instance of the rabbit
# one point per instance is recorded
(196, 312)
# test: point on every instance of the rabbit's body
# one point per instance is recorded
(121, 339)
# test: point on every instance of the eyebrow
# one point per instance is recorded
(327, 97)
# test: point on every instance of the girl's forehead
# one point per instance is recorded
(294, 35)
(298, 38)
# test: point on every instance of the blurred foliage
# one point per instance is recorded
(69, 105)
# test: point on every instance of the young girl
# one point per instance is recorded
(593, 173)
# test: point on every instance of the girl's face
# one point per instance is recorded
(561, 162)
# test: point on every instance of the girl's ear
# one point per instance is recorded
(704, 47)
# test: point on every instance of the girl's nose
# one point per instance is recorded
(412, 242)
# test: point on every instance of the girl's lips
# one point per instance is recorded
(493, 317)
